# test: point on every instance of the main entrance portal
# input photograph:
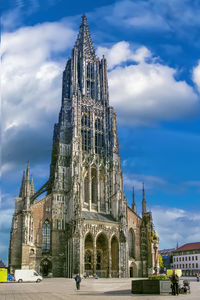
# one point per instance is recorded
(45, 267)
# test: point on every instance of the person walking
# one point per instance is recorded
(78, 281)
(197, 276)
(175, 283)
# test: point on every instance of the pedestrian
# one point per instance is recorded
(175, 283)
(197, 276)
(78, 281)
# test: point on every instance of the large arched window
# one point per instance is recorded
(94, 185)
(131, 243)
(46, 236)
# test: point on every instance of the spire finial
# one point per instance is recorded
(84, 19)
(143, 191)
(28, 171)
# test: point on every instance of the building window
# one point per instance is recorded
(186, 265)
(193, 266)
(46, 236)
(179, 258)
(182, 258)
(189, 258)
(197, 266)
(86, 188)
(186, 258)
(192, 257)
(94, 185)
(196, 257)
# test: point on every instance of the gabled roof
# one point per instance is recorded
(97, 216)
(189, 246)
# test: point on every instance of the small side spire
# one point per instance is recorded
(22, 188)
(28, 172)
(144, 209)
(133, 201)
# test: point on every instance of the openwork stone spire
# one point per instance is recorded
(84, 41)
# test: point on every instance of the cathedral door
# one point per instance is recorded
(102, 266)
(89, 255)
(114, 257)
(45, 267)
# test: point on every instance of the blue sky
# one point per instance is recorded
(153, 53)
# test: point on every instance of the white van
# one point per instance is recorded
(27, 275)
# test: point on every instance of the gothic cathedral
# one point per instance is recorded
(83, 225)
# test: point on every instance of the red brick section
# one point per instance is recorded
(190, 246)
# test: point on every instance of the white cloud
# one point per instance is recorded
(121, 52)
(176, 225)
(31, 82)
(148, 92)
(196, 75)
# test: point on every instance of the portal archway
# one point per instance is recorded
(45, 267)
(114, 257)
(133, 270)
(89, 254)
(102, 267)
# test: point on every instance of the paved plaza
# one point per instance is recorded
(63, 288)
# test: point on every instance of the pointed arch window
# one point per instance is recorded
(46, 236)
(86, 188)
(94, 185)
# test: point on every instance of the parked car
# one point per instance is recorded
(27, 275)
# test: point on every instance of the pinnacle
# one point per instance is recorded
(84, 19)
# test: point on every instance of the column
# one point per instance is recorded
(98, 189)
(94, 257)
(109, 259)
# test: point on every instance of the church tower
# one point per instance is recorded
(85, 172)
(83, 225)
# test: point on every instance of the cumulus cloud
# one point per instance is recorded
(176, 225)
(146, 91)
(121, 52)
(31, 88)
(156, 15)
(196, 75)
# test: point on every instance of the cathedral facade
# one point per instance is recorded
(83, 225)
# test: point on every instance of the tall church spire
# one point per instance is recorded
(84, 41)
(133, 201)
(143, 201)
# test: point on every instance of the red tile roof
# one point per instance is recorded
(189, 246)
